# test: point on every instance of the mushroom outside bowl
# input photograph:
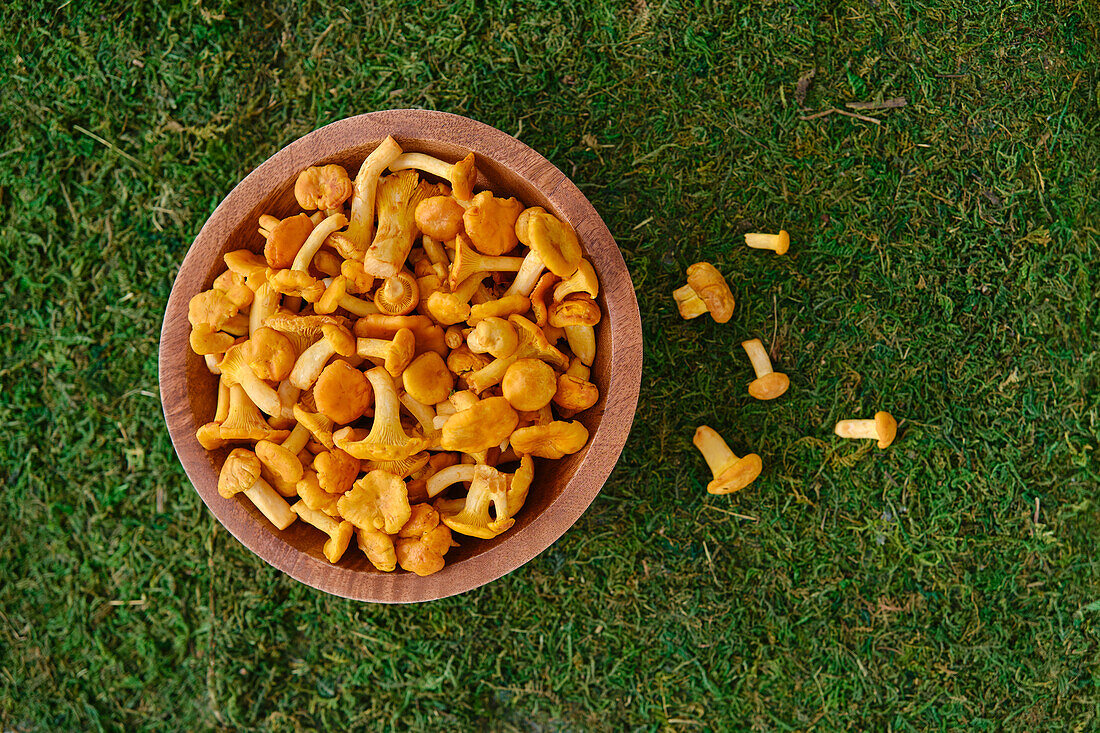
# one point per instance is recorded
(562, 489)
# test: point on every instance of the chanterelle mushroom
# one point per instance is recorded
(883, 428)
(342, 393)
(553, 440)
(387, 440)
(768, 384)
(364, 194)
(461, 175)
(339, 533)
(398, 295)
(270, 354)
(285, 239)
(555, 242)
(490, 223)
(234, 366)
(427, 379)
(529, 384)
(322, 187)
(470, 516)
(396, 353)
(423, 541)
(706, 292)
(398, 197)
(378, 501)
(440, 217)
(485, 424)
(468, 262)
(778, 243)
(731, 473)
(241, 473)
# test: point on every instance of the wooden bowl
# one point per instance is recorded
(562, 489)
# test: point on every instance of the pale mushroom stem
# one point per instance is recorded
(297, 439)
(468, 287)
(449, 476)
(714, 449)
(310, 364)
(212, 363)
(222, 410)
(527, 276)
(762, 241)
(263, 305)
(857, 429)
(437, 253)
(316, 517)
(688, 302)
(270, 504)
(357, 306)
(373, 348)
(267, 223)
(315, 239)
(758, 356)
(582, 340)
(365, 190)
(423, 162)
(387, 408)
(464, 400)
(423, 414)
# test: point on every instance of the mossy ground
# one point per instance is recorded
(943, 266)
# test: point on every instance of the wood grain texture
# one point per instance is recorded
(562, 489)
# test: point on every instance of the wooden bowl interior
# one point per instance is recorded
(551, 477)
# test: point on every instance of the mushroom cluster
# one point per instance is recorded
(398, 356)
(706, 291)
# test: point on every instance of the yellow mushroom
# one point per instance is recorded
(706, 292)
(529, 384)
(387, 440)
(552, 440)
(731, 472)
(470, 516)
(342, 393)
(378, 547)
(490, 223)
(468, 263)
(339, 533)
(397, 295)
(397, 354)
(322, 187)
(364, 195)
(778, 243)
(480, 426)
(768, 384)
(398, 197)
(241, 474)
(377, 501)
(461, 175)
(439, 217)
(882, 427)
(427, 379)
(493, 336)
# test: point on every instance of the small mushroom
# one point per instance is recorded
(427, 379)
(358, 279)
(403, 468)
(882, 427)
(398, 197)
(778, 243)
(327, 262)
(502, 307)
(582, 281)
(541, 298)
(378, 501)
(319, 426)
(461, 175)
(463, 362)
(493, 336)
(576, 310)
(553, 440)
(296, 283)
(322, 187)
(468, 262)
(397, 353)
(364, 195)
(244, 421)
(706, 292)
(342, 393)
(313, 496)
(555, 242)
(768, 384)
(574, 394)
(336, 296)
(529, 384)
(336, 470)
(241, 474)
(280, 467)
(398, 295)
(234, 366)
(285, 240)
(339, 533)
(387, 440)
(310, 363)
(439, 217)
(378, 547)
(245, 262)
(423, 541)
(447, 308)
(490, 223)
(532, 344)
(235, 288)
(270, 354)
(731, 473)
(470, 516)
(480, 426)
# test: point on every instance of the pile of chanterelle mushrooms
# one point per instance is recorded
(397, 357)
(707, 292)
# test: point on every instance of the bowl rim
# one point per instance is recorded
(605, 443)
